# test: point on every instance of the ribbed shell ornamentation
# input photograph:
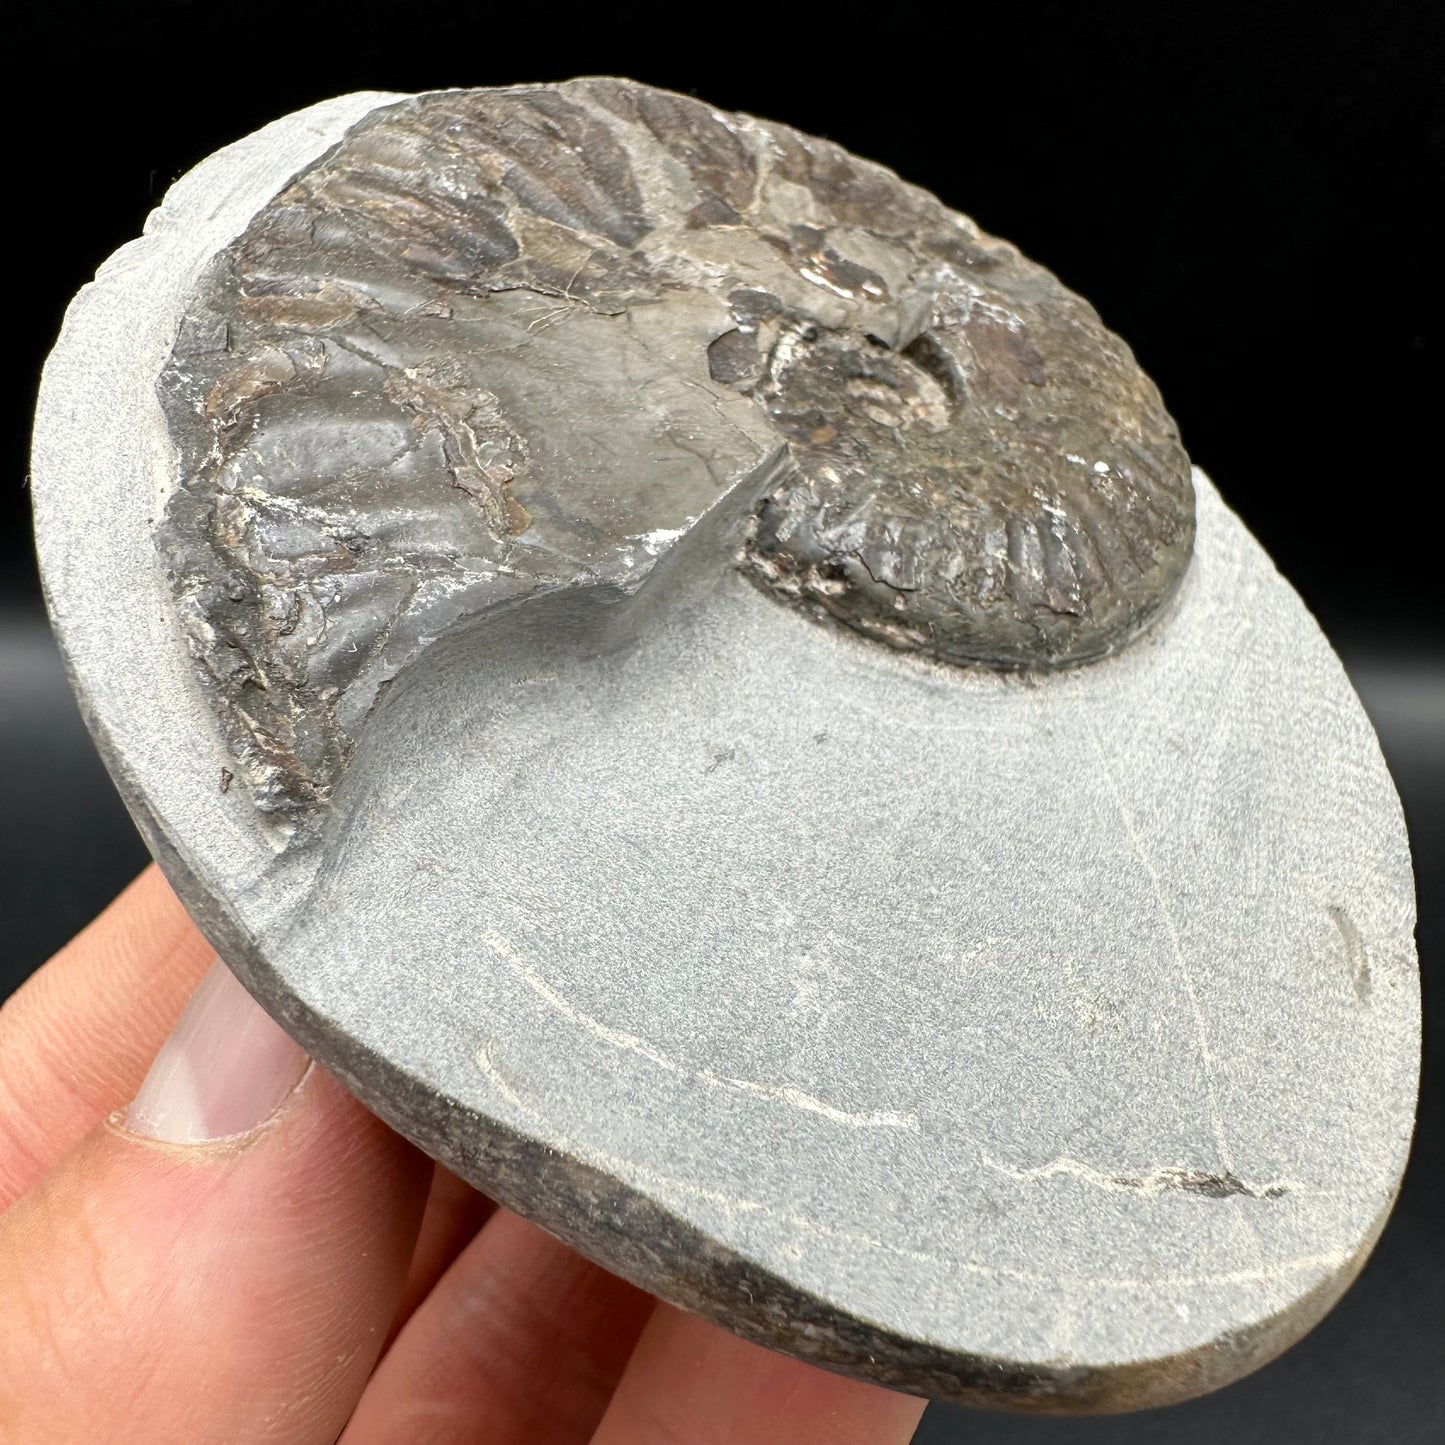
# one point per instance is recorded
(498, 342)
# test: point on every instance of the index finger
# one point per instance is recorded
(689, 1380)
(77, 1037)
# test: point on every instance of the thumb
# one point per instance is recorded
(219, 1262)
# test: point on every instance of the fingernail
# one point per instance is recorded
(225, 1069)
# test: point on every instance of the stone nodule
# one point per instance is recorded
(705, 690)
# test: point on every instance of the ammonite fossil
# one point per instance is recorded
(499, 342)
(704, 689)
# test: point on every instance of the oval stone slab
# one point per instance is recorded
(1043, 1040)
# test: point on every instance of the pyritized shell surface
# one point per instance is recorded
(498, 342)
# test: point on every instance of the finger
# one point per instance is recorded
(454, 1214)
(220, 1262)
(76, 1039)
(520, 1343)
(688, 1380)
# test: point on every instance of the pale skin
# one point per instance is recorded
(314, 1278)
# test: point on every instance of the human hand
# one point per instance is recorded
(226, 1257)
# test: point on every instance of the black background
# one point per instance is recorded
(1246, 192)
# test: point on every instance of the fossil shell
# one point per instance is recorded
(501, 342)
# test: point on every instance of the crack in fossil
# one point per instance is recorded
(631, 1043)
(1152, 1183)
(668, 1189)
(1176, 948)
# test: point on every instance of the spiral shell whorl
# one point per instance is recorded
(502, 341)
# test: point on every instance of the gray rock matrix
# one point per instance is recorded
(1035, 1036)
(499, 342)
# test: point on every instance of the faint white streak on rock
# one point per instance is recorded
(630, 1043)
